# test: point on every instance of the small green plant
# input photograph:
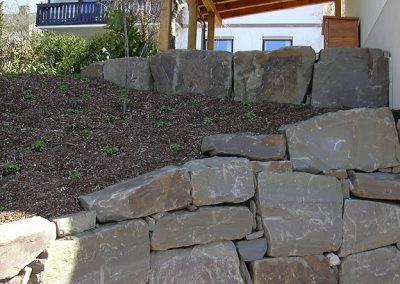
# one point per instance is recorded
(86, 97)
(81, 77)
(2, 208)
(75, 175)
(39, 146)
(29, 98)
(175, 147)
(111, 119)
(10, 168)
(100, 87)
(86, 133)
(207, 120)
(246, 103)
(167, 109)
(63, 88)
(32, 130)
(72, 110)
(195, 102)
(249, 115)
(45, 81)
(108, 151)
(160, 124)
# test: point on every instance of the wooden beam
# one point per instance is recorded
(210, 7)
(338, 8)
(211, 30)
(234, 5)
(192, 35)
(165, 25)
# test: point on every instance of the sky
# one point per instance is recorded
(11, 6)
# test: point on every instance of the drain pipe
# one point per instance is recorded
(203, 35)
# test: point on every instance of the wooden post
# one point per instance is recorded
(165, 25)
(211, 30)
(338, 8)
(192, 36)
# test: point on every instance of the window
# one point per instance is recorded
(274, 44)
(223, 44)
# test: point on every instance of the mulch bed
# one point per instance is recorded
(57, 109)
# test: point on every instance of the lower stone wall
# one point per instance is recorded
(256, 218)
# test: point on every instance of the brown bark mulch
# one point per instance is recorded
(56, 109)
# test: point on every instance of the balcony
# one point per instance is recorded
(79, 13)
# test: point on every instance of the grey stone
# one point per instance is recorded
(138, 69)
(208, 224)
(339, 174)
(259, 221)
(21, 242)
(281, 76)
(193, 72)
(345, 185)
(363, 139)
(216, 263)
(351, 77)
(192, 208)
(387, 170)
(75, 223)
(396, 170)
(376, 185)
(218, 180)
(245, 273)
(151, 222)
(380, 266)
(276, 166)
(308, 269)
(158, 191)
(252, 250)
(302, 213)
(255, 235)
(333, 259)
(113, 253)
(368, 225)
(94, 70)
(253, 147)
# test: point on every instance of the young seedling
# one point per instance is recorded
(160, 124)
(111, 119)
(10, 168)
(175, 147)
(86, 97)
(167, 109)
(32, 130)
(207, 120)
(39, 146)
(63, 88)
(246, 103)
(195, 102)
(29, 98)
(2, 208)
(86, 133)
(249, 115)
(72, 110)
(75, 175)
(109, 151)
(100, 87)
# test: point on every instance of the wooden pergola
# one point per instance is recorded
(215, 11)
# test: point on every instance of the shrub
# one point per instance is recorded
(111, 119)
(160, 124)
(166, 109)
(108, 151)
(10, 168)
(39, 146)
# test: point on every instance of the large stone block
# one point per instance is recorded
(75, 223)
(363, 139)
(193, 72)
(158, 191)
(368, 225)
(308, 269)
(218, 180)
(134, 69)
(112, 253)
(351, 77)
(21, 242)
(301, 213)
(380, 266)
(216, 263)
(376, 185)
(94, 70)
(253, 147)
(282, 76)
(207, 224)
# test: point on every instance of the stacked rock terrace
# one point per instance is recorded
(317, 204)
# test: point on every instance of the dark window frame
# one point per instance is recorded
(275, 39)
(222, 39)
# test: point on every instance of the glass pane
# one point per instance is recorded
(224, 44)
(271, 45)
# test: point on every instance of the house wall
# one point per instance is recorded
(380, 29)
(302, 25)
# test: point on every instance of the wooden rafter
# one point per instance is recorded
(209, 6)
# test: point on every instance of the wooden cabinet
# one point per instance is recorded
(341, 32)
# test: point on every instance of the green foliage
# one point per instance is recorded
(160, 124)
(72, 110)
(111, 119)
(249, 115)
(167, 109)
(175, 147)
(246, 103)
(75, 175)
(63, 88)
(32, 130)
(86, 133)
(29, 98)
(207, 120)
(39, 146)
(195, 102)
(2, 208)
(1, 22)
(109, 151)
(10, 168)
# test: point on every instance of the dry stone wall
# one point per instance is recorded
(233, 219)
(340, 77)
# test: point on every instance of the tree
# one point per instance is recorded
(1, 23)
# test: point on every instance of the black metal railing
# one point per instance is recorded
(79, 13)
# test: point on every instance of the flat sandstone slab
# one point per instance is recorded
(301, 213)
(308, 269)
(158, 191)
(368, 225)
(376, 185)
(363, 139)
(207, 224)
(216, 263)
(376, 266)
(75, 223)
(253, 147)
(112, 253)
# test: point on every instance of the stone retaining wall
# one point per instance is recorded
(349, 77)
(330, 214)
